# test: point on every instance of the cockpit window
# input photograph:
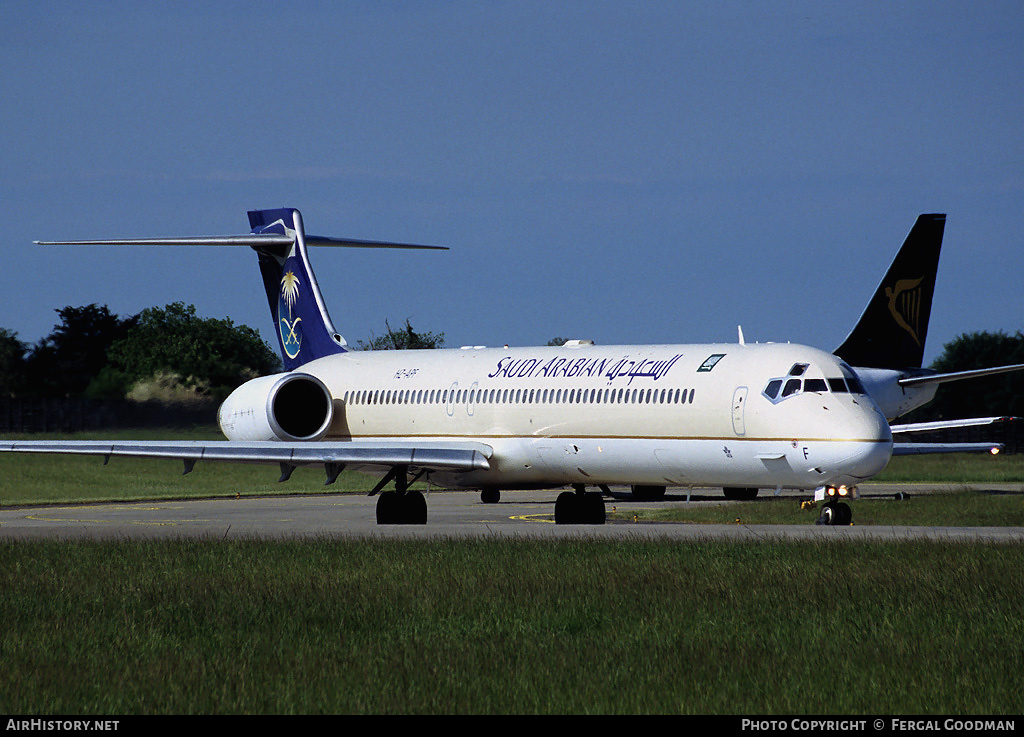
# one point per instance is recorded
(792, 387)
(815, 385)
(783, 387)
(855, 386)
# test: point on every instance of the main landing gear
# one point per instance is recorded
(579, 507)
(401, 506)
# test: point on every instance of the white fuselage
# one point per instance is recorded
(894, 400)
(667, 415)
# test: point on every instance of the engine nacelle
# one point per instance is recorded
(280, 407)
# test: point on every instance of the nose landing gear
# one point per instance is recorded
(835, 511)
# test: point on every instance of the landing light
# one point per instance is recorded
(994, 451)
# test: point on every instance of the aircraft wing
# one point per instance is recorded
(452, 456)
(948, 424)
(901, 449)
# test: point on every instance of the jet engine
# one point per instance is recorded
(291, 406)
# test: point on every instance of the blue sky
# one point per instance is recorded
(628, 172)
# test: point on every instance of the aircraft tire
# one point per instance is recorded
(567, 508)
(490, 495)
(835, 513)
(579, 509)
(828, 514)
(401, 509)
(593, 509)
(387, 508)
(414, 508)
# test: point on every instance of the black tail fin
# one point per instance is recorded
(892, 330)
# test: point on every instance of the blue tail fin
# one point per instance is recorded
(304, 329)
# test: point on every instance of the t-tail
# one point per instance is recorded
(891, 332)
(303, 327)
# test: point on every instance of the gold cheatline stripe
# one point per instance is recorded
(475, 438)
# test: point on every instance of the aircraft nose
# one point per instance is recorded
(873, 443)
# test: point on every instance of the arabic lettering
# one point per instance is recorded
(610, 368)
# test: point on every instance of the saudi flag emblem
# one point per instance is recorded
(291, 337)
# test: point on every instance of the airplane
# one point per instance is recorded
(738, 416)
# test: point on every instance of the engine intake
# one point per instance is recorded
(279, 407)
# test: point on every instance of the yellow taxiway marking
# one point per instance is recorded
(534, 517)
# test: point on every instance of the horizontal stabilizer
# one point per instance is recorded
(910, 449)
(255, 240)
(249, 239)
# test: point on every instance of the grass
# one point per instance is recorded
(511, 627)
(962, 508)
(497, 626)
(46, 479)
(955, 468)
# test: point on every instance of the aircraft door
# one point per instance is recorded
(739, 401)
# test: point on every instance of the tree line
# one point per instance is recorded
(171, 353)
(999, 395)
(161, 353)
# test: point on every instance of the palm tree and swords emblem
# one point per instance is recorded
(290, 337)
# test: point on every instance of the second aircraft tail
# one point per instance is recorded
(891, 332)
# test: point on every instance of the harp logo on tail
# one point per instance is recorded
(905, 305)
(287, 324)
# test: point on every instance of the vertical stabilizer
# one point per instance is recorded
(891, 332)
(304, 329)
